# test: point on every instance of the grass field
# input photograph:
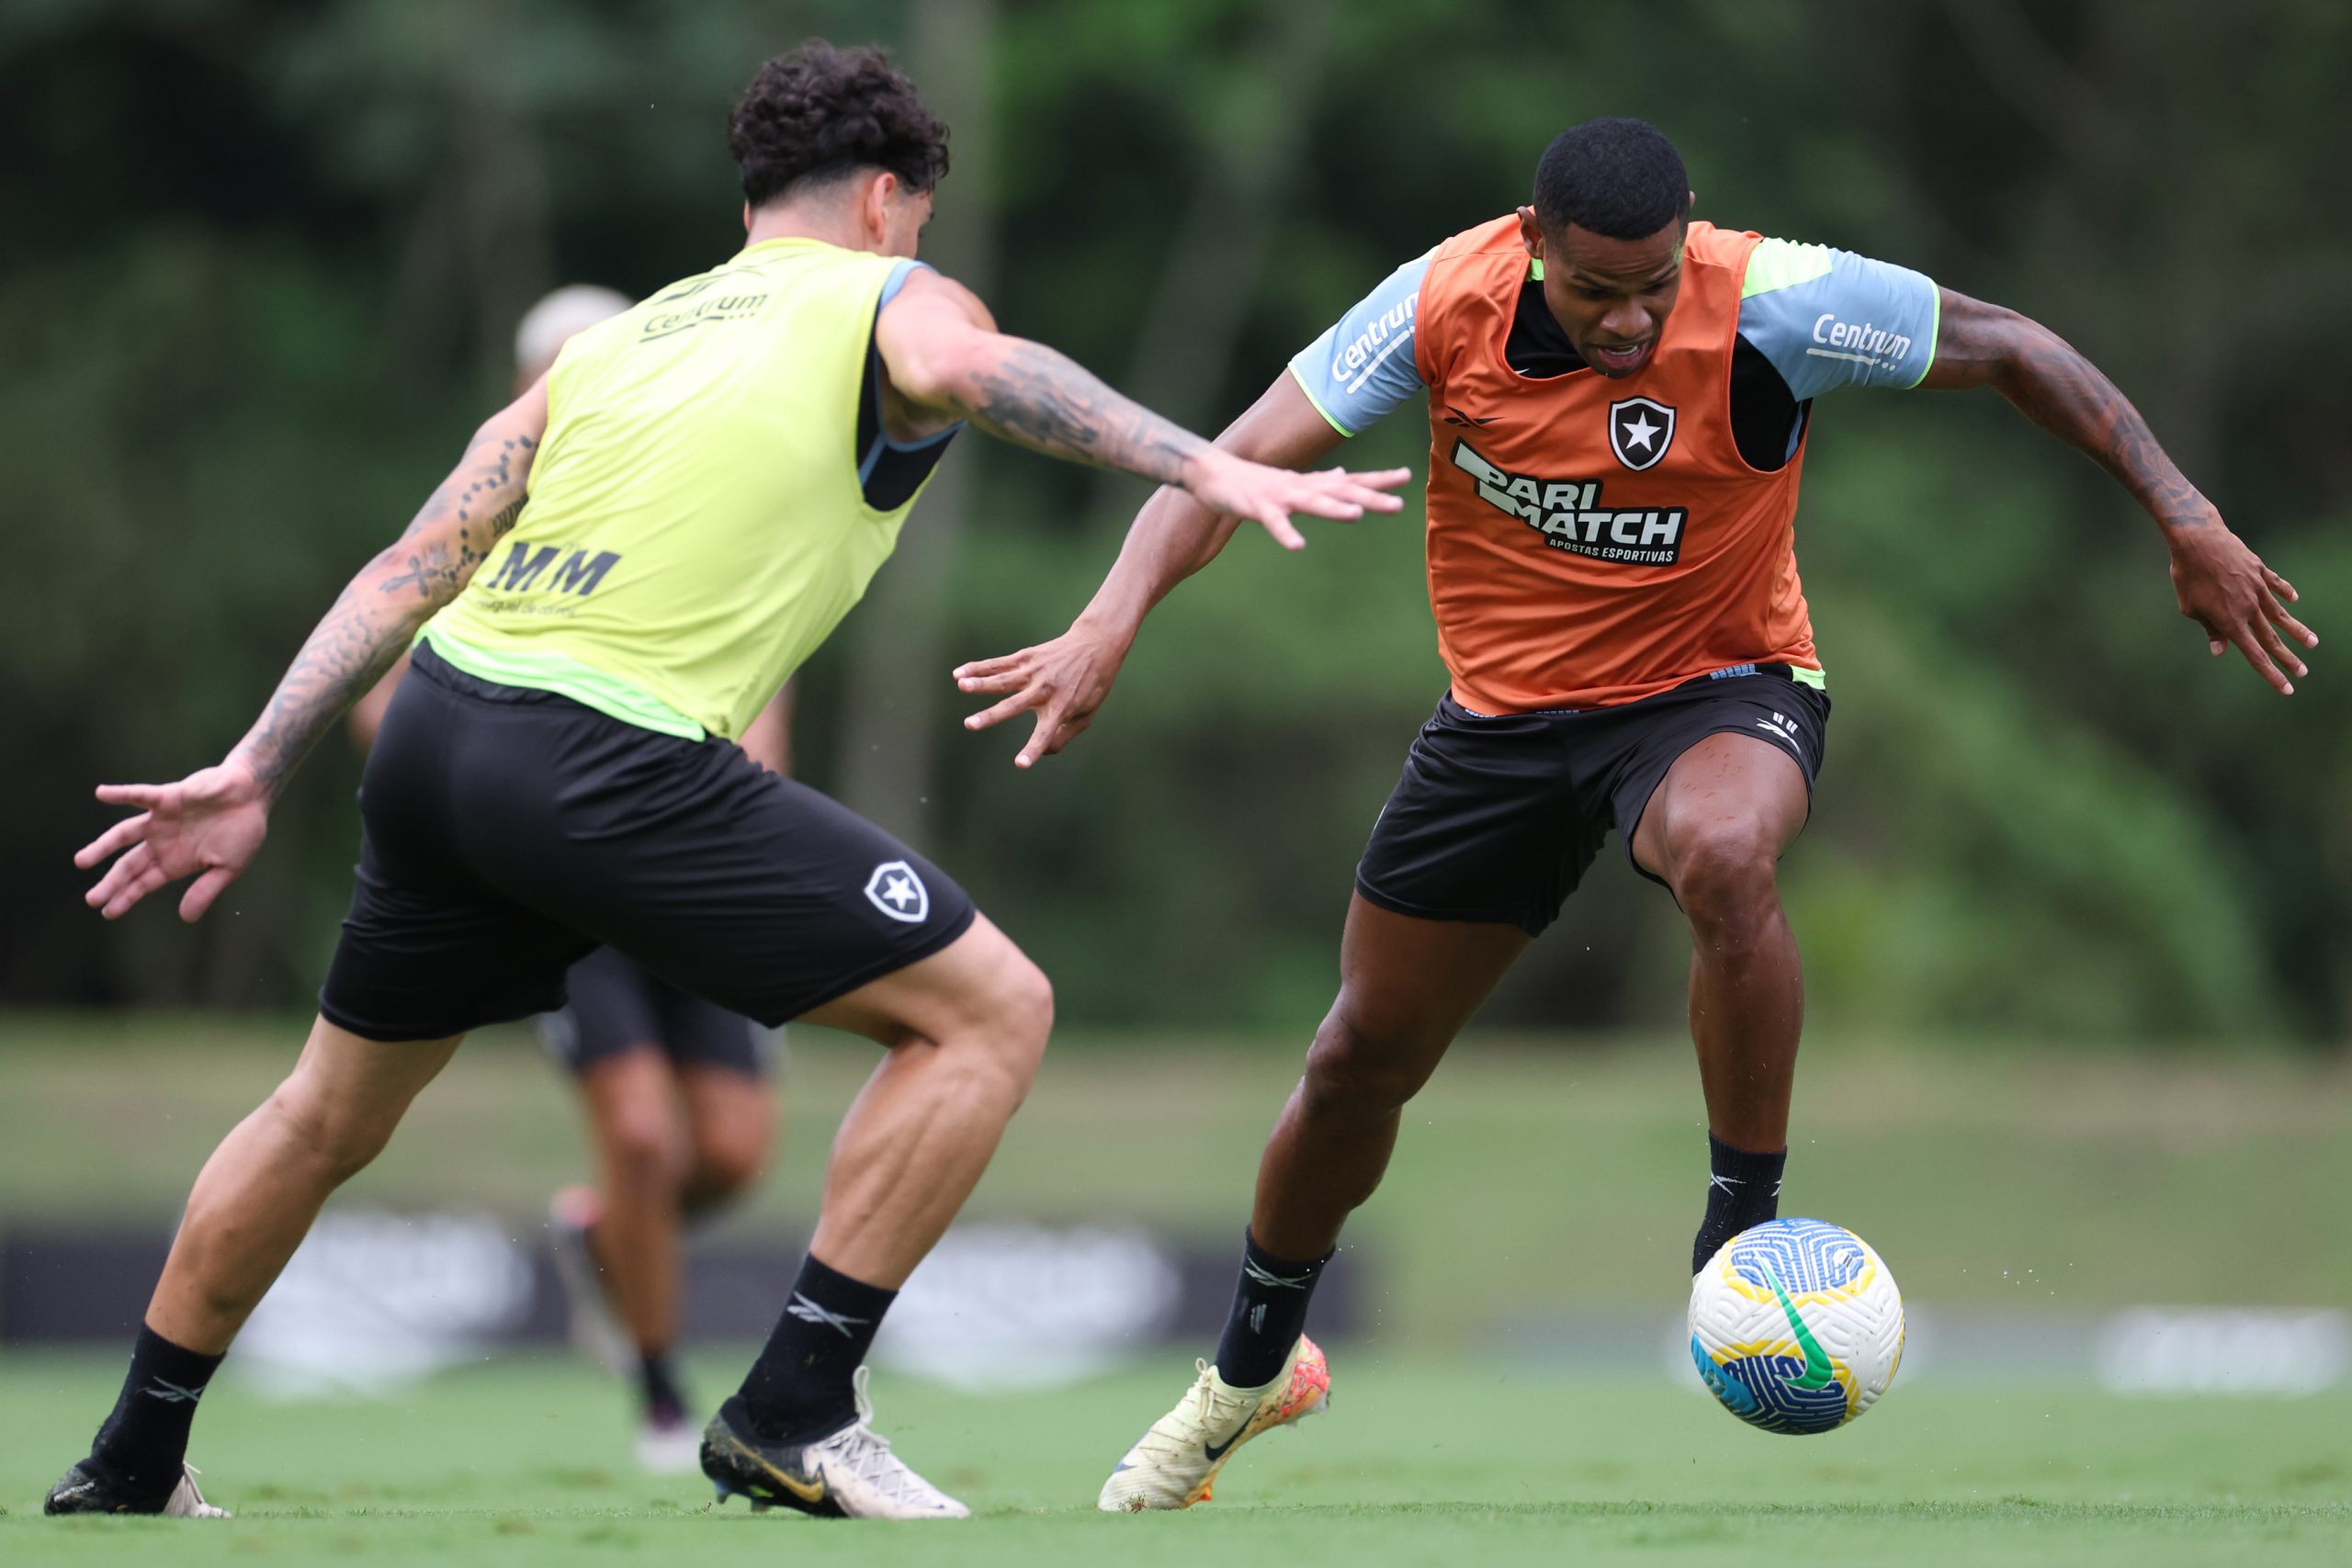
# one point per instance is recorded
(1422, 1461)
(1558, 1181)
(1986, 1175)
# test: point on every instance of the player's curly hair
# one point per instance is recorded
(819, 112)
(1618, 178)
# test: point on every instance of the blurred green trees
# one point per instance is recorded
(258, 264)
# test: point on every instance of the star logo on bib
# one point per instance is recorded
(1640, 429)
(898, 892)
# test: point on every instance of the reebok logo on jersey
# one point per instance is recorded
(1571, 516)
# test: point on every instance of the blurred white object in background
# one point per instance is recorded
(1029, 1306)
(374, 1301)
(2234, 1350)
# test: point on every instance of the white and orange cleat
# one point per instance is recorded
(1175, 1464)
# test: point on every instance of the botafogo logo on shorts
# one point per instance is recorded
(898, 892)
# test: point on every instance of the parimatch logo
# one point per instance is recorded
(1572, 517)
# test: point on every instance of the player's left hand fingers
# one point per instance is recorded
(117, 876)
(1372, 490)
(992, 682)
(1324, 500)
(128, 881)
(207, 888)
(130, 830)
(2294, 627)
(1042, 739)
(145, 798)
(1274, 518)
(1070, 730)
(2256, 656)
(2279, 585)
(1031, 695)
(997, 666)
(2276, 646)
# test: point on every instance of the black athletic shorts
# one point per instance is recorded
(1496, 818)
(509, 831)
(619, 1005)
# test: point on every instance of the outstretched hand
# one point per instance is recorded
(1063, 681)
(1268, 496)
(207, 826)
(2226, 588)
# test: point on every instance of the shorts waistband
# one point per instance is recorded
(425, 661)
(1784, 672)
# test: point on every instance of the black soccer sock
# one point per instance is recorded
(145, 1439)
(1743, 1189)
(799, 1389)
(665, 1400)
(1269, 1312)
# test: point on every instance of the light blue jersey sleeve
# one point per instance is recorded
(1364, 368)
(1829, 318)
(901, 271)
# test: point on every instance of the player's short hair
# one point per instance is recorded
(1620, 178)
(820, 112)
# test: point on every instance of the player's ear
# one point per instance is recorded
(747, 217)
(876, 208)
(1531, 233)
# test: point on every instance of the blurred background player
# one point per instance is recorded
(677, 1088)
(1619, 399)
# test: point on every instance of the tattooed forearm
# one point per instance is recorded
(1027, 393)
(2052, 384)
(379, 611)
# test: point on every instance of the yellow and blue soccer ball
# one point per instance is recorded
(1796, 1326)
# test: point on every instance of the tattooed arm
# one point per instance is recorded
(379, 611)
(2220, 584)
(211, 824)
(946, 361)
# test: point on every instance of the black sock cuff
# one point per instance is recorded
(183, 1367)
(833, 1289)
(1251, 1252)
(1744, 1166)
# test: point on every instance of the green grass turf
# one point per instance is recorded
(1562, 1176)
(1422, 1461)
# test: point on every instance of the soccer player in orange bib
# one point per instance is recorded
(1619, 399)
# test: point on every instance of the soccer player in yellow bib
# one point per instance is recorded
(676, 1088)
(626, 564)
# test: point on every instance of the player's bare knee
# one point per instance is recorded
(1724, 876)
(1020, 1021)
(724, 1163)
(1358, 1072)
(644, 1148)
(328, 1131)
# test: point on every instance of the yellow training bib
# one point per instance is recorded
(700, 514)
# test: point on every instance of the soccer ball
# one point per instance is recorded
(1796, 1326)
